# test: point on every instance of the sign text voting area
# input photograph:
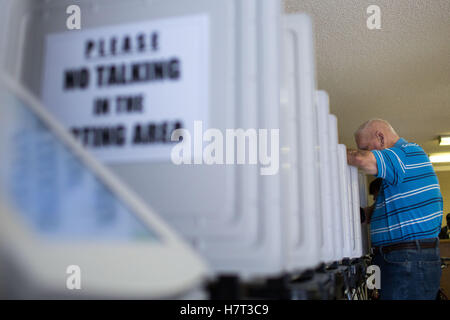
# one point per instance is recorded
(122, 90)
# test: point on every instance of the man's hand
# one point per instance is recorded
(364, 160)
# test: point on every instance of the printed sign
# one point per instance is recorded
(122, 90)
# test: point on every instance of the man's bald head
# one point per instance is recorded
(375, 134)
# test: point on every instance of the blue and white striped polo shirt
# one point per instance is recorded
(409, 205)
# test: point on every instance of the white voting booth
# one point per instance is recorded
(344, 192)
(357, 244)
(336, 187)
(300, 185)
(328, 252)
(350, 204)
(363, 193)
(63, 215)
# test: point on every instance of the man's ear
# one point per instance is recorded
(380, 137)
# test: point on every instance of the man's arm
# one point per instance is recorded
(364, 160)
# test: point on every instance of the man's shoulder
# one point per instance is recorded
(408, 147)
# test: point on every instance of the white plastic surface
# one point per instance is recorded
(356, 204)
(335, 182)
(345, 194)
(299, 145)
(240, 221)
(127, 253)
(363, 194)
(326, 197)
(230, 213)
(351, 219)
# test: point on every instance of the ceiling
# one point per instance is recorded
(400, 73)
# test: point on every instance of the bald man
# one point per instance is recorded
(408, 211)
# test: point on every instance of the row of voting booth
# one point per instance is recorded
(117, 85)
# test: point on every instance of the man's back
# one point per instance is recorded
(410, 204)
